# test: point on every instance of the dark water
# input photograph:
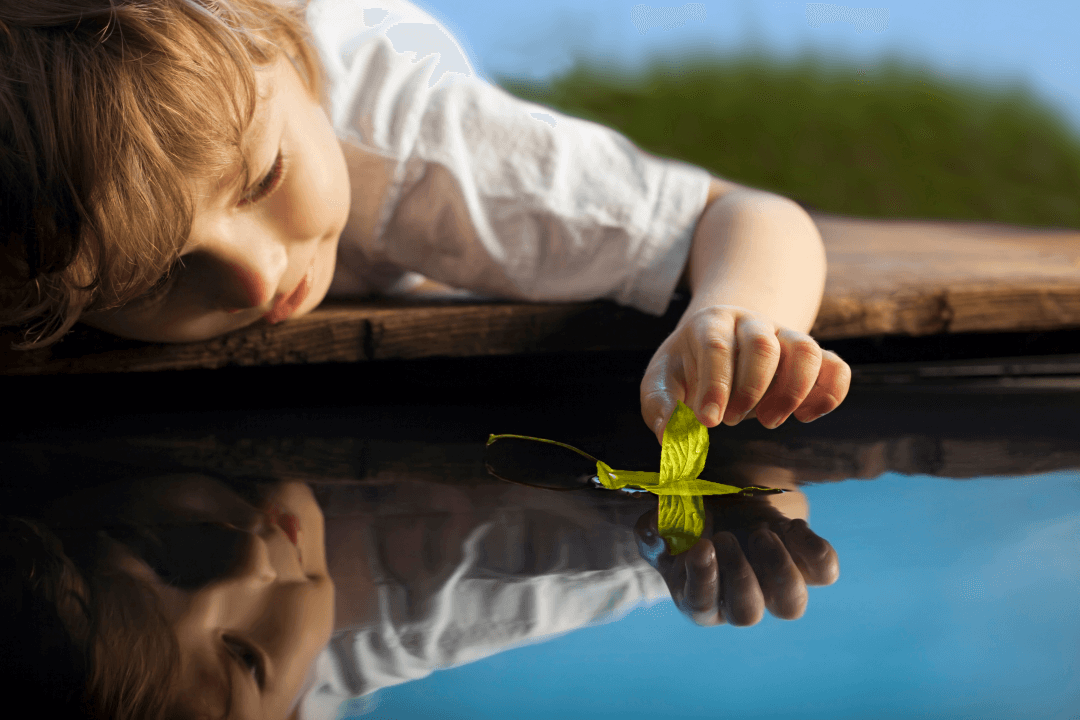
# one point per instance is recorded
(954, 515)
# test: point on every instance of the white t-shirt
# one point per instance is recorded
(501, 198)
(501, 570)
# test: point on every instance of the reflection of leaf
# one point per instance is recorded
(680, 520)
(681, 516)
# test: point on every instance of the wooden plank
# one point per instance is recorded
(377, 329)
(918, 277)
(885, 277)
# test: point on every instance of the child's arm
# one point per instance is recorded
(756, 273)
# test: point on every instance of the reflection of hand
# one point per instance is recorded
(750, 557)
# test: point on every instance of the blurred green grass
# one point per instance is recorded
(893, 141)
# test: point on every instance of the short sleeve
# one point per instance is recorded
(489, 193)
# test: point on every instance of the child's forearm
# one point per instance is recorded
(761, 252)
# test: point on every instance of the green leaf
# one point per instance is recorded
(615, 479)
(696, 487)
(681, 516)
(681, 520)
(686, 443)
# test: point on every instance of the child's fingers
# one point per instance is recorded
(800, 364)
(713, 374)
(700, 596)
(740, 594)
(830, 388)
(781, 583)
(812, 554)
(661, 391)
(692, 577)
(758, 355)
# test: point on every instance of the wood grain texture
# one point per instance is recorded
(911, 277)
(378, 329)
(885, 277)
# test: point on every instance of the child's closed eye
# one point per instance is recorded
(269, 183)
(260, 192)
(249, 658)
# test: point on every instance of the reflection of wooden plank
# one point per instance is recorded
(885, 277)
(343, 459)
(831, 460)
(872, 433)
(1013, 374)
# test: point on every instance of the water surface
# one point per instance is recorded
(955, 518)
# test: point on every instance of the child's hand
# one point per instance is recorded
(728, 363)
(750, 558)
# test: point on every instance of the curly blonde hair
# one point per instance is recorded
(83, 637)
(108, 109)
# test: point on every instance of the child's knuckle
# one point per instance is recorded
(807, 347)
(717, 342)
(765, 347)
(751, 392)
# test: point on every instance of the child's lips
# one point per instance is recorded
(289, 523)
(286, 306)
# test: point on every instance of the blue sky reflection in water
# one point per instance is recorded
(956, 598)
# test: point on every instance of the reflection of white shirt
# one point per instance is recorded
(514, 576)
(490, 194)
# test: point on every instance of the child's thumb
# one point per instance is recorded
(660, 424)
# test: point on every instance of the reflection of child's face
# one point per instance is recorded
(263, 243)
(275, 604)
(272, 603)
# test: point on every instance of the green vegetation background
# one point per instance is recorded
(894, 141)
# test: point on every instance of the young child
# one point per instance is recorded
(172, 170)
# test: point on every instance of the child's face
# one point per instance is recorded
(250, 248)
(283, 604)
(276, 600)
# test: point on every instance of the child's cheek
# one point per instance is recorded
(317, 193)
(300, 211)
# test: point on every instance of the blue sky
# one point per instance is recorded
(956, 599)
(993, 42)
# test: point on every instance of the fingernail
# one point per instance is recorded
(761, 540)
(711, 413)
(777, 423)
(810, 420)
(725, 541)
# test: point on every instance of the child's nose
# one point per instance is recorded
(247, 263)
(258, 566)
(249, 287)
(251, 280)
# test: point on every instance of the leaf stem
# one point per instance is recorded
(493, 438)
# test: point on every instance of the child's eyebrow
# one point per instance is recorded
(231, 183)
